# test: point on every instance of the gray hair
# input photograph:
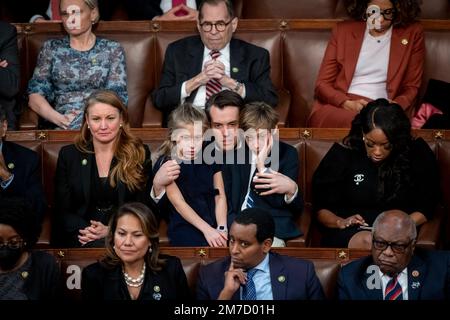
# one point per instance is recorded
(405, 219)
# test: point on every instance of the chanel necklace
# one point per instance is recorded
(134, 282)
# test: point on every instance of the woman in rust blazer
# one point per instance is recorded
(350, 55)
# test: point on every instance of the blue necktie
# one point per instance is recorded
(249, 290)
(393, 290)
(250, 201)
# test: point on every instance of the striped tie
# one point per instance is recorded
(249, 290)
(213, 86)
(393, 290)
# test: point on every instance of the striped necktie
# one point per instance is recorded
(249, 289)
(393, 290)
(213, 86)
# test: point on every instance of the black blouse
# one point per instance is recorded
(346, 183)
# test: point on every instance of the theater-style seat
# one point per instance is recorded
(327, 263)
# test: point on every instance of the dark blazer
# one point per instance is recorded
(100, 283)
(145, 9)
(27, 181)
(300, 281)
(236, 180)
(73, 190)
(183, 60)
(43, 281)
(431, 279)
(9, 76)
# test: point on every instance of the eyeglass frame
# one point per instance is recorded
(395, 247)
(206, 23)
(383, 12)
(19, 244)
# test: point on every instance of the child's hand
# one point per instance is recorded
(215, 238)
(263, 153)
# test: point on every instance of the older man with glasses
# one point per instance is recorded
(197, 67)
(396, 270)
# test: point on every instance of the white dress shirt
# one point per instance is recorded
(402, 280)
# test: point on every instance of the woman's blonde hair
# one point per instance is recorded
(184, 114)
(129, 150)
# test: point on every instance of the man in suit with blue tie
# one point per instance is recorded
(197, 67)
(396, 270)
(252, 272)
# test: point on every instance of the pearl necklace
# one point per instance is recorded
(134, 282)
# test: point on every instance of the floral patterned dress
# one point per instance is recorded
(66, 77)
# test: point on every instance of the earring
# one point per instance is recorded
(89, 127)
(121, 125)
(150, 250)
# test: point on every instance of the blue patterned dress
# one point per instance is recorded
(66, 77)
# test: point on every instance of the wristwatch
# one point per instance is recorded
(222, 228)
(238, 86)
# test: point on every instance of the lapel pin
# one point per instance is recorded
(84, 162)
(11, 165)
(235, 69)
(24, 274)
(156, 295)
(415, 285)
(404, 42)
(415, 273)
(281, 279)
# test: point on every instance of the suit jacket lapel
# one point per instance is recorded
(8, 156)
(416, 271)
(397, 52)
(278, 278)
(86, 171)
(352, 50)
(237, 54)
(371, 294)
(195, 62)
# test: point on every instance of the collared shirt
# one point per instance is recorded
(252, 171)
(6, 183)
(263, 284)
(402, 280)
(200, 97)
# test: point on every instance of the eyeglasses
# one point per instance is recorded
(396, 247)
(220, 25)
(388, 14)
(12, 244)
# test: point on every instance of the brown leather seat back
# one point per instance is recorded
(270, 40)
(303, 51)
(50, 152)
(437, 44)
(139, 55)
(327, 271)
(288, 9)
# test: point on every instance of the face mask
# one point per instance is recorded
(9, 257)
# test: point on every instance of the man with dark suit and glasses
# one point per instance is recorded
(396, 270)
(197, 67)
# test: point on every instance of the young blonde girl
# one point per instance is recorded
(197, 204)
